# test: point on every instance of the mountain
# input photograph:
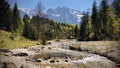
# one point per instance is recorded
(24, 11)
(65, 15)
(60, 14)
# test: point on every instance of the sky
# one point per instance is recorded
(81, 5)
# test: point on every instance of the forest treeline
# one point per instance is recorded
(103, 24)
(39, 27)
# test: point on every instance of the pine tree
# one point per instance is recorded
(95, 22)
(116, 6)
(5, 15)
(87, 27)
(103, 19)
(84, 28)
(34, 33)
(29, 31)
(113, 27)
(26, 30)
(76, 31)
(118, 2)
(16, 25)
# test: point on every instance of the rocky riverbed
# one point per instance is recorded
(57, 54)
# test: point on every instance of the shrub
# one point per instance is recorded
(43, 41)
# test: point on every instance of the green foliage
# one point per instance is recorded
(118, 2)
(103, 25)
(103, 18)
(95, 23)
(85, 28)
(116, 5)
(16, 21)
(26, 30)
(6, 40)
(112, 24)
(29, 31)
(5, 15)
(51, 29)
(76, 31)
(10, 19)
(43, 40)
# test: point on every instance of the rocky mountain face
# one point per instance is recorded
(60, 14)
(24, 11)
(65, 15)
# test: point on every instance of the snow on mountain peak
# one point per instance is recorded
(65, 15)
(60, 14)
(25, 10)
(57, 15)
(77, 14)
(73, 12)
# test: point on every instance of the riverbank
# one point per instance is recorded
(108, 49)
(55, 55)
